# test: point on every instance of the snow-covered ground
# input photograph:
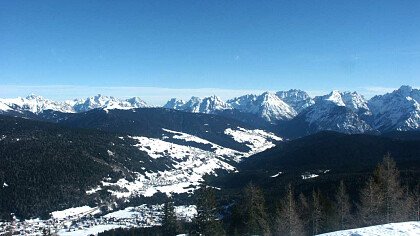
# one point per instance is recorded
(190, 164)
(184, 174)
(395, 229)
(81, 222)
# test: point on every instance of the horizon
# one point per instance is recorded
(207, 47)
(149, 94)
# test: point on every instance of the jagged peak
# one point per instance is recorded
(33, 96)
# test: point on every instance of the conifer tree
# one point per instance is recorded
(254, 212)
(206, 220)
(395, 201)
(316, 212)
(288, 221)
(343, 207)
(304, 211)
(169, 221)
(384, 200)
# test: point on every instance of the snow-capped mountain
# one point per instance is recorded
(399, 110)
(355, 102)
(175, 104)
(207, 105)
(335, 111)
(351, 100)
(339, 112)
(107, 103)
(296, 98)
(37, 104)
(267, 105)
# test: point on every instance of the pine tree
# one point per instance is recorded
(394, 200)
(371, 200)
(288, 221)
(415, 196)
(384, 200)
(304, 211)
(169, 221)
(343, 207)
(316, 212)
(254, 212)
(206, 220)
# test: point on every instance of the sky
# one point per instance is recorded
(162, 49)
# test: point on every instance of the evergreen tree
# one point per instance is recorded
(343, 207)
(395, 201)
(371, 200)
(169, 221)
(288, 221)
(415, 196)
(206, 220)
(316, 212)
(384, 200)
(254, 212)
(304, 211)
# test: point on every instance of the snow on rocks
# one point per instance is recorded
(396, 229)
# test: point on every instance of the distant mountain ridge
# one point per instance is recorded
(293, 112)
(37, 104)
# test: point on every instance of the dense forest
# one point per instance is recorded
(46, 167)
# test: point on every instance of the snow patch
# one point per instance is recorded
(309, 176)
(396, 229)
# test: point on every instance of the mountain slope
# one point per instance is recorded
(399, 110)
(341, 112)
(44, 167)
(150, 121)
(296, 98)
(138, 153)
(207, 105)
(267, 106)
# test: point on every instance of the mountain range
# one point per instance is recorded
(110, 153)
(291, 113)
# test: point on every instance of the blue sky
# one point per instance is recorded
(67, 48)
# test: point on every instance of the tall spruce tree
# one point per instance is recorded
(254, 212)
(169, 221)
(395, 202)
(371, 200)
(304, 209)
(384, 200)
(207, 214)
(317, 213)
(343, 207)
(288, 221)
(415, 209)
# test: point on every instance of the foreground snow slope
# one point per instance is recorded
(405, 228)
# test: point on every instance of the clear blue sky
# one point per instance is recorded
(314, 45)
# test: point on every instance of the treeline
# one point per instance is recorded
(383, 199)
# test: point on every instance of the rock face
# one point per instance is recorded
(297, 99)
(399, 110)
(345, 112)
(267, 105)
(207, 105)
